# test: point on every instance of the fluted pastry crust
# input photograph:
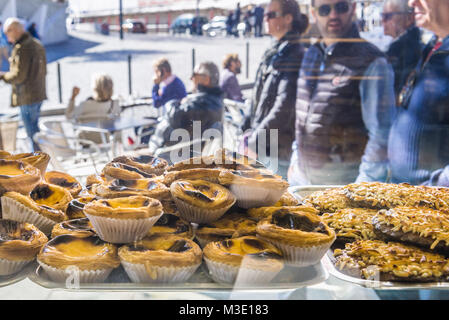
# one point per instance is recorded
(152, 188)
(249, 251)
(117, 170)
(208, 174)
(203, 162)
(146, 163)
(202, 193)
(64, 180)
(266, 212)
(87, 253)
(76, 207)
(162, 251)
(296, 228)
(77, 227)
(18, 176)
(20, 240)
(253, 178)
(37, 159)
(169, 224)
(231, 225)
(134, 207)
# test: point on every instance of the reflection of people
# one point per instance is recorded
(205, 104)
(99, 106)
(27, 71)
(32, 29)
(167, 86)
(405, 50)
(258, 15)
(418, 146)
(4, 48)
(274, 92)
(228, 80)
(344, 100)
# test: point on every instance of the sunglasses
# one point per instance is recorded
(339, 7)
(272, 14)
(388, 15)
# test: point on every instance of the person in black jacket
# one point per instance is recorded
(202, 108)
(274, 92)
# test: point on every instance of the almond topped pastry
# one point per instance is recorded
(201, 201)
(393, 261)
(93, 258)
(248, 260)
(161, 258)
(20, 243)
(329, 200)
(422, 227)
(149, 187)
(64, 180)
(145, 163)
(18, 176)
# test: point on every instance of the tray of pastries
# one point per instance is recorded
(388, 236)
(222, 221)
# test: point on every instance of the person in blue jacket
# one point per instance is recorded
(166, 86)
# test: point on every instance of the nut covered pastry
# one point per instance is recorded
(18, 176)
(393, 261)
(64, 180)
(330, 200)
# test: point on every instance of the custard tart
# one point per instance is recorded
(169, 224)
(116, 188)
(77, 227)
(88, 257)
(145, 163)
(161, 259)
(117, 170)
(64, 180)
(253, 188)
(20, 243)
(302, 236)
(94, 179)
(76, 207)
(202, 162)
(244, 260)
(43, 207)
(231, 225)
(37, 159)
(123, 220)
(208, 174)
(18, 176)
(201, 201)
(392, 261)
(233, 160)
(265, 212)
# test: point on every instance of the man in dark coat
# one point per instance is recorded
(258, 14)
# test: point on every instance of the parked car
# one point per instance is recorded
(216, 26)
(188, 23)
(134, 26)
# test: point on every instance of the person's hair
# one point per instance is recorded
(210, 69)
(162, 64)
(312, 2)
(300, 21)
(401, 5)
(14, 22)
(102, 85)
(229, 58)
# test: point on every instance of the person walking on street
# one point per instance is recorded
(419, 138)
(236, 20)
(258, 14)
(345, 103)
(27, 72)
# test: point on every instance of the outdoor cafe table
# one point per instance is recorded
(114, 127)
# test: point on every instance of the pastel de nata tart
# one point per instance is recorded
(169, 224)
(44, 207)
(265, 212)
(18, 176)
(329, 200)
(123, 220)
(77, 227)
(117, 170)
(418, 226)
(145, 163)
(253, 188)
(392, 261)
(94, 179)
(20, 243)
(302, 237)
(37, 159)
(149, 187)
(201, 162)
(228, 159)
(4, 154)
(231, 225)
(161, 259)
(64, 180)
(76, 207)
(90, 257)
(244, 260)
(208, 174)
(351, 224)
(201, 201)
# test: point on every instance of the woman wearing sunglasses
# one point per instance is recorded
(273, 99)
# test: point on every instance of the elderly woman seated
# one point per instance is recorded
(99, 106)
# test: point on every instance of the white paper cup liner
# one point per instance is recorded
(255, 197)
(301, 256)
(199, 215)
(221, 272)
(84, 276)
(8, 267)
(16, 211)
(139, 274)
(122, 230)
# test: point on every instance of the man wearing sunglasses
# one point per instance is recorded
(404, 52)
(345, 94)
